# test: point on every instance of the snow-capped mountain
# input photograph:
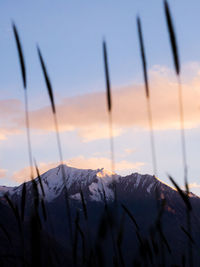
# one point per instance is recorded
(92, 182)
(144, 196)
(96, 185)
(55, 180)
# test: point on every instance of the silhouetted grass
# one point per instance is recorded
(23, 201)
(153, 249)
(3, 229)
(172, 38)
(23, 71)
(109, 105)
(15, 211)
(20, 53)
(50, 92)
(39, 179)
(176, 60)
(144, 65)
(131, 216)
(182, 194)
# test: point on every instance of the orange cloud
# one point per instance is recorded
(98, 132)
(82, 163)
(87, 113)
(102, 162)
(10, 111)
(194, 185)
(3, 173)
(5, 132)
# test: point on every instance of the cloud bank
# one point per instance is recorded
(3, 173)
(82, 163)
(87, 113)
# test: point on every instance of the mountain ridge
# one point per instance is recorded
(142, 199)
(92, 181)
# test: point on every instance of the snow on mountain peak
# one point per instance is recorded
(95, 183)
(74, 179)
(104, 173)
(103, 185)
(98, 180)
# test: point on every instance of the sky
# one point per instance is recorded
(70, 34)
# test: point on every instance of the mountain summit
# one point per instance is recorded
(138, 213)
(92, 182)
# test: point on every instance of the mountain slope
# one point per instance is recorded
(106, 213)
(92, 181)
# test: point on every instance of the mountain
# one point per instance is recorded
(132, 219)
(92, 182)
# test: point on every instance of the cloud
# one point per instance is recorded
(3, 173)
(82, 163)
(129, 151)
(5, 132)
(194, 185)
(87, 114)
(98, 132)
(23, 175)
(194, 188)
(10, 111)
(103, 162)
(10, 107)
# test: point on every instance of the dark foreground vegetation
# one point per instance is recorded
(135, 229)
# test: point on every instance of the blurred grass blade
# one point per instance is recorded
(109, 103)
(50, 92)
(48, 83)
(120, 237)
(182, 194)
(20, 53)
(15, 211)
(84, 205)
(43, 209)
(75, 243)
(188, 234)
(163, 237)
(174, 47)
(23, 201)
(6, 233)
(107, 76)
(142, 52)
(23, 71)
(131, 216)
(144, 65)
(172, 37)
(39, 178)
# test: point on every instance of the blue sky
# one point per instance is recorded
(70, 35)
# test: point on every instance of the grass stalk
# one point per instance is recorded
(149, 111)
(23, 72)
(109, 106)
(174, 48)
(50, 93)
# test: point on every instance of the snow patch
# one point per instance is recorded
(149, 187)
(137, 180)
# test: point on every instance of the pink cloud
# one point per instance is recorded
(82, 163)
(10, 111)
(3, 173)
(87, 113)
